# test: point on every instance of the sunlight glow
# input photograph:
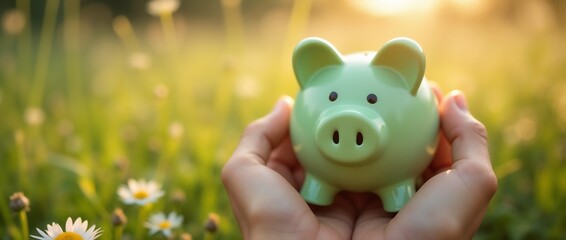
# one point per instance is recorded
(387, 8)
(394, 7)
(470, 7)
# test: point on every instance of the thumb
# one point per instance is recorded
(264, 134)
(466, 135)
(454, 201)
(468, 139)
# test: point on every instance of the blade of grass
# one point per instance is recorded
(44, 52)
(233, 23)
(24, 42)
(295, 29)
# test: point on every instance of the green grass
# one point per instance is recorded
(106, 121)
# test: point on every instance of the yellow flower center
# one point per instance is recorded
(141, 194)
(165, 224)
(69, 236)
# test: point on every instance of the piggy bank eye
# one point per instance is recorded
(333, 96)
(372, 98)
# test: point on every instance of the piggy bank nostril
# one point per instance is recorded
(359, 138)
(336, 137)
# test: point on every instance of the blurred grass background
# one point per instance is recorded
(93, 93)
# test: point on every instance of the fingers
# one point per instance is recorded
(468, 136)
(284, 154)
(263, 135)
(451, 204)
(437, 91)
(259, 195)
(442, 159)
(468, 140)
(257, 142)
(284, 162)
(469, 151)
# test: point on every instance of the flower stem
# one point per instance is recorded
(168, 26)
(234, 25)
(209, 236)
(123, 28)
(144, 211)
(24, 225)
(165, 159)
(118, 232)
(23, 161)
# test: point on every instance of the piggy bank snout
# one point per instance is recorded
(351, 137)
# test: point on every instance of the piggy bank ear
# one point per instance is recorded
(405, 56)
(310, 56)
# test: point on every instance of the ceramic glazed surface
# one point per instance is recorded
(362, 122)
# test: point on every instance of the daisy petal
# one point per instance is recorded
(140, 192)
(79, 227)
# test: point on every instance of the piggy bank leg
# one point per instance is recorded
(395, 196)
(317, 192)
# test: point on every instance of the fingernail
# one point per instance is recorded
(285, 100)
(460, 100)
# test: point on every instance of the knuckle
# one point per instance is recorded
(490, 182)
(225, 173)
(484, 177)
(485, 172)
(479, 129)
(253, 127)
(228, 170)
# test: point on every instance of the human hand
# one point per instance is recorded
(460, 182)
(263, 177)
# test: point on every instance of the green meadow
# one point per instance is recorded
(91, 96)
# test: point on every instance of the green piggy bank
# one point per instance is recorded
(364, 122)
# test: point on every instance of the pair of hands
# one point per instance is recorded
(263, 178)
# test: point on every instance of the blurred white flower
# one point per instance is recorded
(176, 130)
(160, 7)
(139, 60)
(34, 116)
(159, 222)
(161, 91)
(247, 87)
(523, 130)
(231, 3)
(73, 231)
(140, 192)
(13, 22)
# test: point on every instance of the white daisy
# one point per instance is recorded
(34, 116)
(159, 7)
(158, 222)
(140, 192)
(73, 231)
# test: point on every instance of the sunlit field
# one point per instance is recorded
(93, 96)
